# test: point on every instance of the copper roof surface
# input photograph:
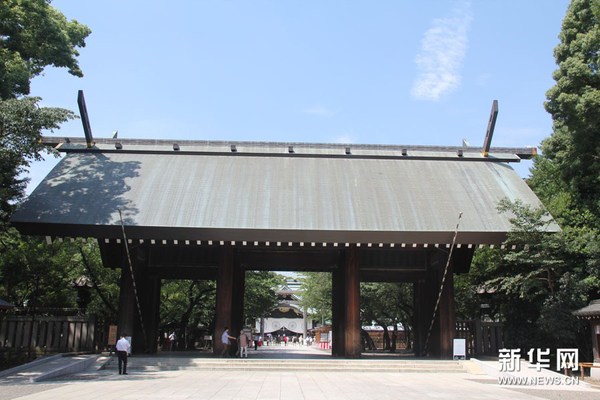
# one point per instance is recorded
(324, 195)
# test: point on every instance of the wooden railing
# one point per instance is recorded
(482, 338)
(57, 334)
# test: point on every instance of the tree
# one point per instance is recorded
(574, 103)
(22, 122)
(537, 287)
(34, 35)
(186, 305)
(38, 275)
(470, 288)
(259, 295)
(316, 295)
(538, 280)
(388, 304)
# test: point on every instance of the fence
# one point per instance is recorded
(482, 338)
(49, 334)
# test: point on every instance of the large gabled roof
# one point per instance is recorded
(277, 192)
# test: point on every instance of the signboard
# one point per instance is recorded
(459, 349)
(112, 335)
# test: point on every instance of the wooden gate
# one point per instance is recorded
(482, 338)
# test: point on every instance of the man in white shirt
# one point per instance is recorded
(123, 348)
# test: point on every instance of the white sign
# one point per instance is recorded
(460, 349)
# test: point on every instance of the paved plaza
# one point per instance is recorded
(478, 381)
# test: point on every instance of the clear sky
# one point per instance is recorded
(380, 72)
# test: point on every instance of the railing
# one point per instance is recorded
(48, 334)
(482, 338)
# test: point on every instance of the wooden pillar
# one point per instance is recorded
(127, 304)
(149, 293)
(352, 345)
(447, 315)
(419, 321)
(139, 289)
(224, 304)
(430, 295)
(442, 333)
(237, 299)
(338, 311)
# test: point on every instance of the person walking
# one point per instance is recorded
(226, 341)
(123, 349)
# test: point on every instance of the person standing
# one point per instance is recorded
(226, 341)
(172, 341)
(123, 348)
(243, 344)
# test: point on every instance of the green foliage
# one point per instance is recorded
(546, 181)
(259, 296)
(187, 303)
(22, 122)
(574, 103)
(188, 306)
(34, 35)
(535, 283)
(39, 275)
(36, 274)
(104, 282)
(470, 289)
(532, 269)
(316, 295)
(387, 304)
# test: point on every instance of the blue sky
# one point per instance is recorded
(381, 72)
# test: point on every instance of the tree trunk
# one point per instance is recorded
(386, 335)
(394, 338)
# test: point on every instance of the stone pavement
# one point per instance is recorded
(479, 381)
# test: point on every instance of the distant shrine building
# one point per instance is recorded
(212, 210)
(287, 318)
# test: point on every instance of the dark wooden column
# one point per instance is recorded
(338, 310)
(447, 314)
(127, 304)
(429, 298)
(420, 317)
(352, 345)
(149, 293)
(442, 334)
(237, 298)
(140, 289)
(224, 304)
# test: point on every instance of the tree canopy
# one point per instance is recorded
(34, 35)
(22, 122)
(535, 288)
(316, 295)
(388, 304)
(574, 103)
